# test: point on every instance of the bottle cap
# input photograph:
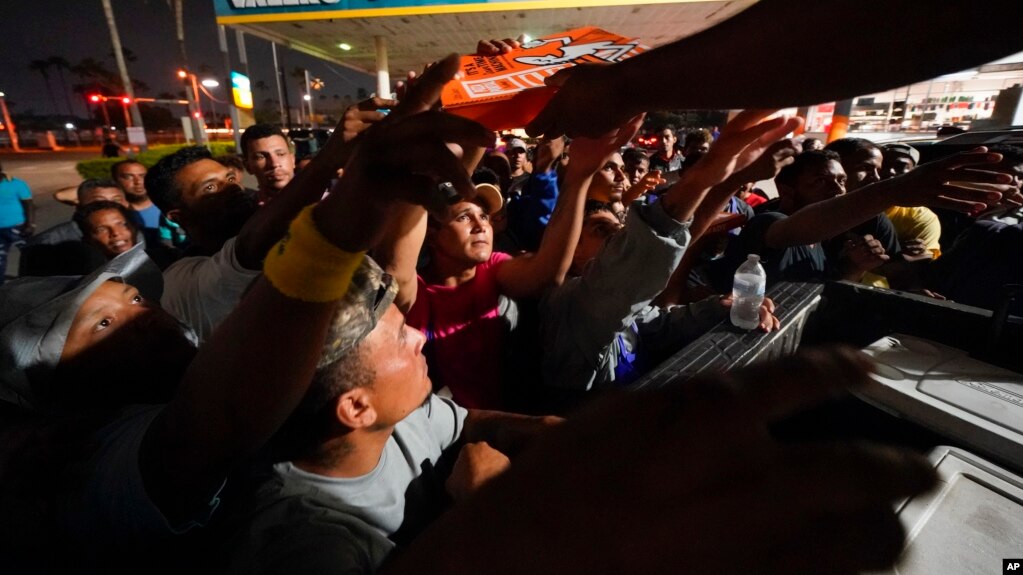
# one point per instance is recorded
(753, 258)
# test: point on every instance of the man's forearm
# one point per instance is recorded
(398, 254)
(824, 220)
(506, 432)
(756, 58)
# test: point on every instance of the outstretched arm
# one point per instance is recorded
(954, 183)
(529, 275)
(742, 142)
(594, 99)
(250, 375)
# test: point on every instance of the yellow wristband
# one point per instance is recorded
(307, 267)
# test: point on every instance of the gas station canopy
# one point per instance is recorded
(414, 32)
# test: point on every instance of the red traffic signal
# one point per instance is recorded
(197, 115)
(126, 100)
(94, 98)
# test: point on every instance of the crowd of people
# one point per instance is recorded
(340, 371)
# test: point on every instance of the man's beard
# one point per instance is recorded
(224, 215)
(134, 198)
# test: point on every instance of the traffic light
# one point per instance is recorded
(94, 98)
(126, 100)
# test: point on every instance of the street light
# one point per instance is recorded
(11, 130)
(194, 108)
(210, 83)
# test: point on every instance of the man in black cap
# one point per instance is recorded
(918, 228)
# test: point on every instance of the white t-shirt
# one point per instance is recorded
(201, 291)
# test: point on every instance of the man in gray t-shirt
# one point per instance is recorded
(360, 461)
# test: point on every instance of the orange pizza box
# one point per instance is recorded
(507, 91)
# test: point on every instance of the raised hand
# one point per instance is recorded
(477, 464)
(590, 154)
(956, 183)
(498, 47)
(862, 254)
(768, 321)
(648, 182)
(548, 151)
(414, 155)
(358, 117)
(583, 105)
(743, 141)
(770, 162)
(746, 139)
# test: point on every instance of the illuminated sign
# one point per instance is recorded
(249, 11)
(241, 91)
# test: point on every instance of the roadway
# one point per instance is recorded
(46, 172)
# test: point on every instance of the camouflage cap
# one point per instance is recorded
(370, 295)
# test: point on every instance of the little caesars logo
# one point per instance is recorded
(240, 4)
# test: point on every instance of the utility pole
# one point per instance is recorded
(231, 108)
(115, 38)
(11, 130)
(309, 98)
(278, 75)
(194, 113)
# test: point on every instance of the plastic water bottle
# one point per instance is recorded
(748, 293)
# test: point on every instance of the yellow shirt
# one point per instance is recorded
(917, 224)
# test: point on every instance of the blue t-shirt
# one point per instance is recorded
(150, 217)
(12, 192)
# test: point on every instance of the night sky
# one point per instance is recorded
(76, 29)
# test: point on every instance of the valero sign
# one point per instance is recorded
(241, 91)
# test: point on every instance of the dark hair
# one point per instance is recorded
(3, 175)
(484, 175)
(160, 178)
(594, 206)
(699, 137)
(231, 161)
(790, 173)
(1011, 155)
(258, 132)
(806, 141)
(634, 155)
(117, 166)
(847, 146)
(81, 215)
(91, 184)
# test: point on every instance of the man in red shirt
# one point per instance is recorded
(462, 297)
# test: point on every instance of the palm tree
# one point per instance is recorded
(61, 64)
(43, 67)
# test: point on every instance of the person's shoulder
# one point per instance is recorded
(497, 258)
